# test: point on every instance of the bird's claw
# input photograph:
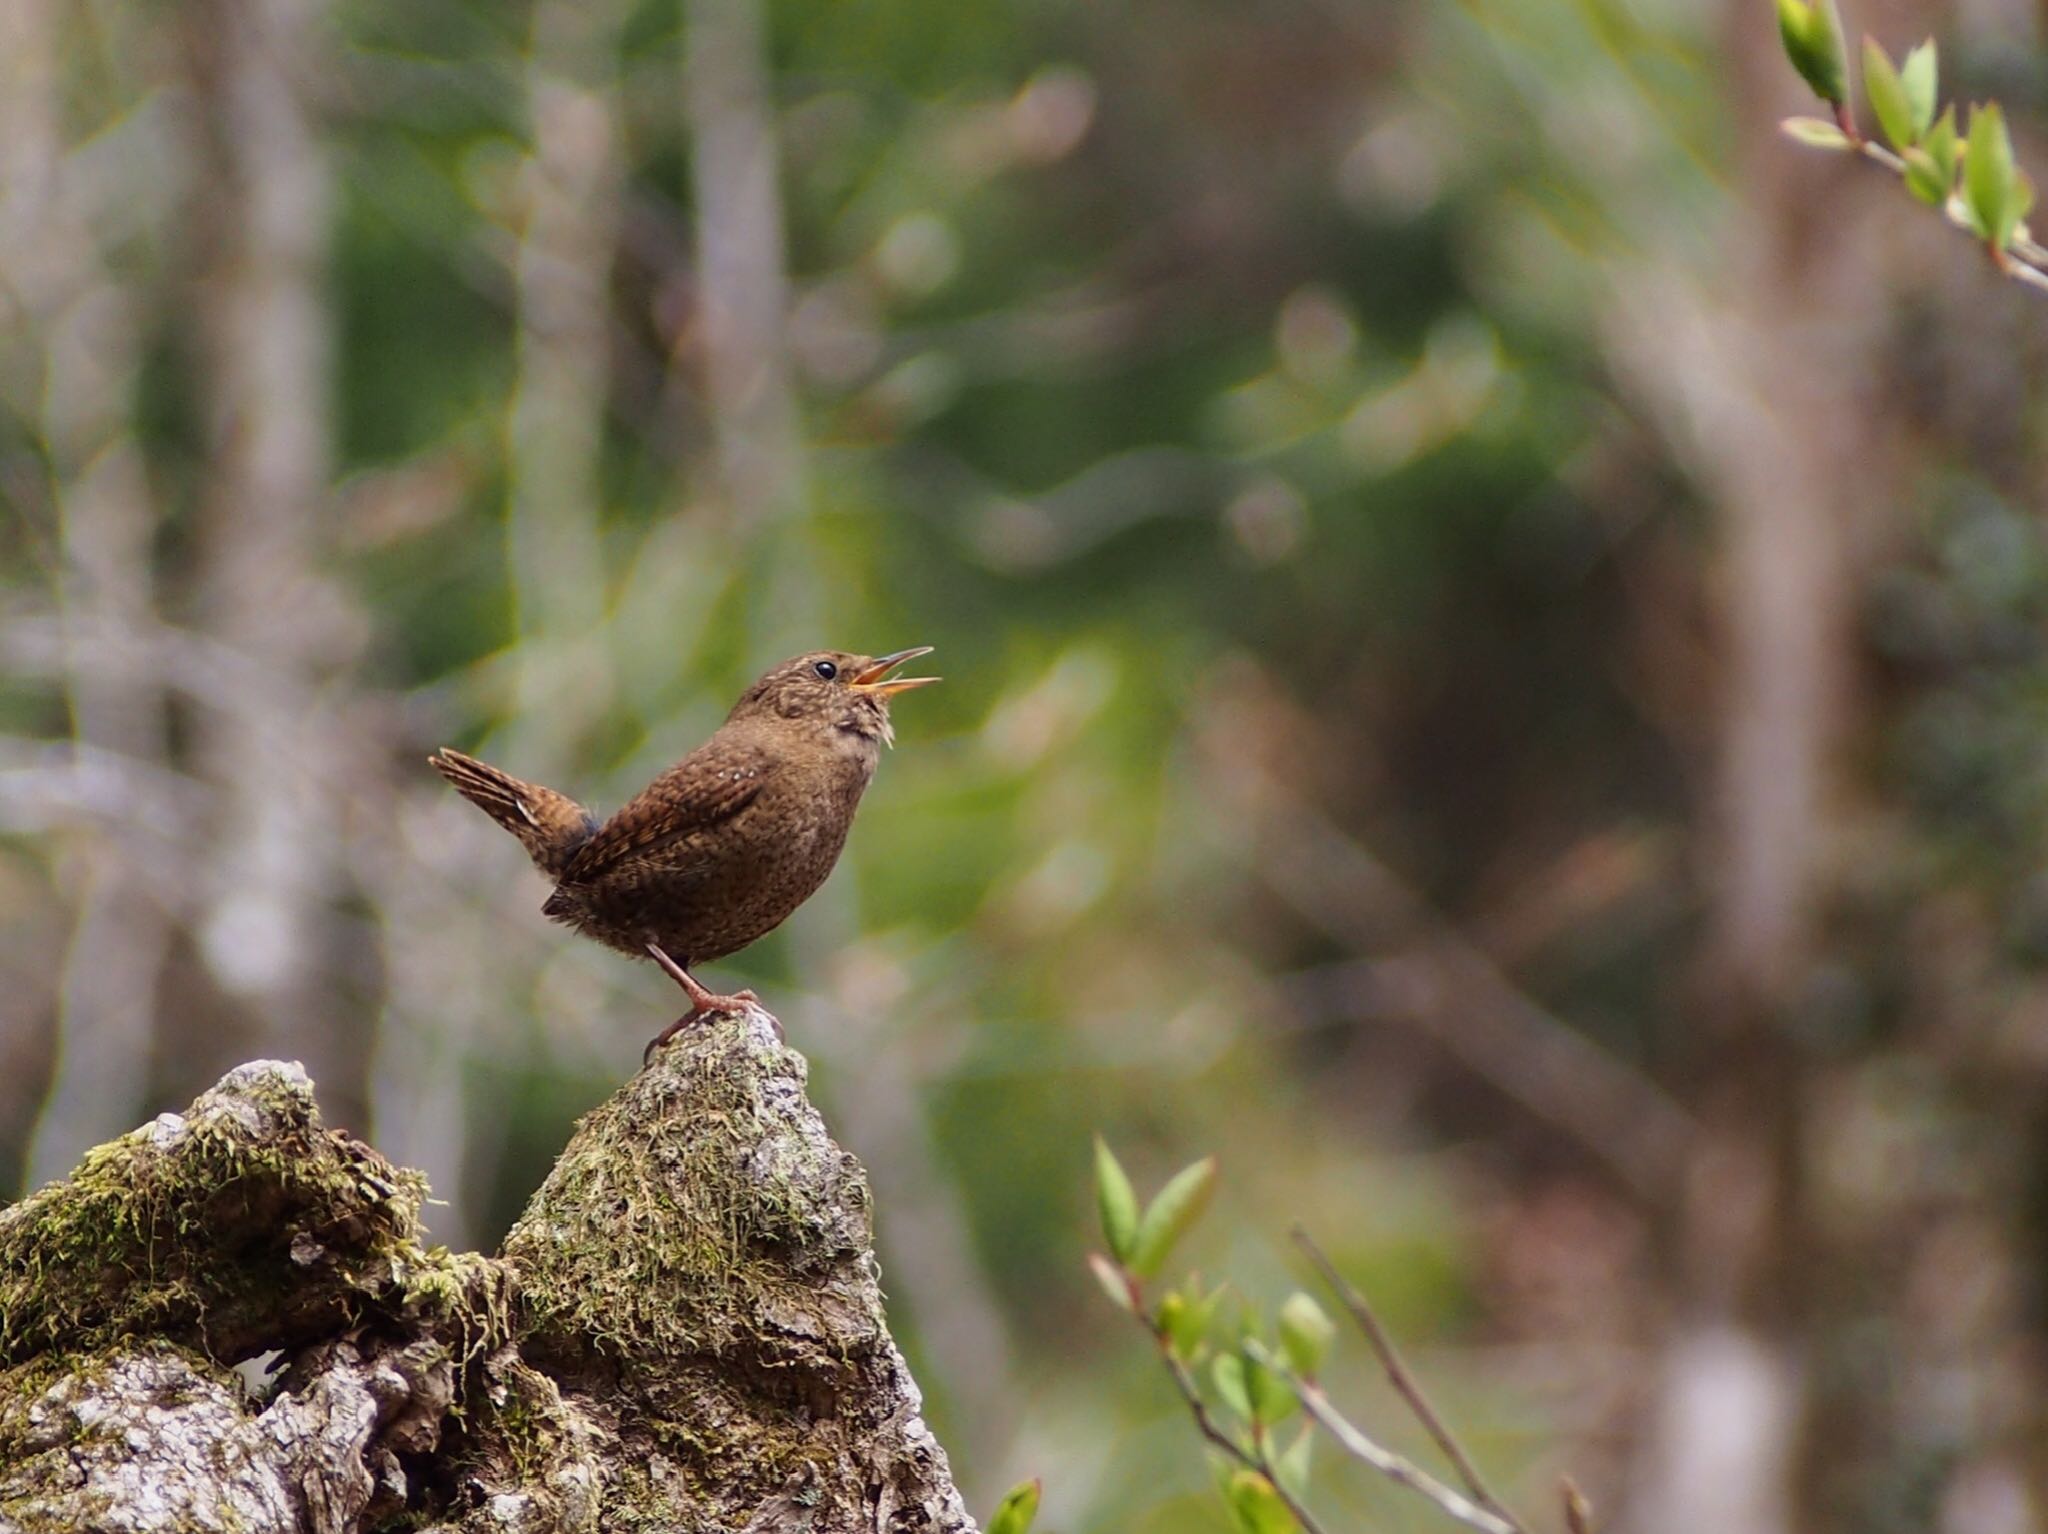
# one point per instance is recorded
(705, 1004)
(661, 1038)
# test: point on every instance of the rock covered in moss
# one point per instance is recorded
(698, 1274)
(236, 1227)
(685, 1331)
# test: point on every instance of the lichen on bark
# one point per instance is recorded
(684, 1331)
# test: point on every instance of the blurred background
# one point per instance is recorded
(1495, 627)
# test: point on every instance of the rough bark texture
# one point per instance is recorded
(684, 1331)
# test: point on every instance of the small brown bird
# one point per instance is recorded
(720, 848)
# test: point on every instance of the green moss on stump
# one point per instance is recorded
(240, 1226)
(685, 1332)
(699, 1211)
(701, 1260)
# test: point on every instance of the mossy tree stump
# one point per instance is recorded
(684, 1331)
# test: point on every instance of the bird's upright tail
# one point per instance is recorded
(550, 826)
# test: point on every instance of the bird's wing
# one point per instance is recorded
(712, 784)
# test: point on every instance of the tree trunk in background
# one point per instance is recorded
(759, 490)
(1788, 496)
(742, 275)
(569, 192)
(1760, 374)
(262, 215)
(80, 323)
(561, 672)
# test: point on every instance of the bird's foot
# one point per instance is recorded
(704, 1002)
(661, 1038)
(713, 1005)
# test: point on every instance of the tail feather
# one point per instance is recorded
(550, 826)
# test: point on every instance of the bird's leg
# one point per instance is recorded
(703, 1000)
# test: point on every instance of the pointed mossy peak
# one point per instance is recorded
(704, 1210)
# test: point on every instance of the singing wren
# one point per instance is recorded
(724, 845)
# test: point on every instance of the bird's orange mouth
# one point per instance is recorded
(870, 679)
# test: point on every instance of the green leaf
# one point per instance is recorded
(1925, 180)
(1992, 189)
(1172, 1316)
(1015, 1513)
(1187, 1317)
(1208, 1304)
(1177, 1206)
(1920, 76)
(1305, 1334)
(1272, 1398)
(1221, 1468)
(1943, 148)
(1794, 18)
(1228, 1374)
(1257, 1506)
(1814, 133)
(1292, 1466)
(1812, 36)
(1887, 95)
(1115, 1282)
(1831, 59)
(1117, 1200)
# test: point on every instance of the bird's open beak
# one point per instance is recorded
(869, 679)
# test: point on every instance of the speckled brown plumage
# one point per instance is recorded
(723, 846)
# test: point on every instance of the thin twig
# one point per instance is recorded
(1206, 1424)
(1397, 1373)
(2017, 261)
(1578, 1513)
(2025, 273)
(1463, 997)
(1394, 1467)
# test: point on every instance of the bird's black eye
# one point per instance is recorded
(826, 669)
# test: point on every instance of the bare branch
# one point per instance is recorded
(48, 784)
(1394, 1467)
(1456, 990)
(2023, 260)
(1403, 1382)
(1578, 1512)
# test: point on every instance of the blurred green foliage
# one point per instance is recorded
(1231, 394)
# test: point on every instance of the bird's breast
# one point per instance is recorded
(715, 890)
(790, 840)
